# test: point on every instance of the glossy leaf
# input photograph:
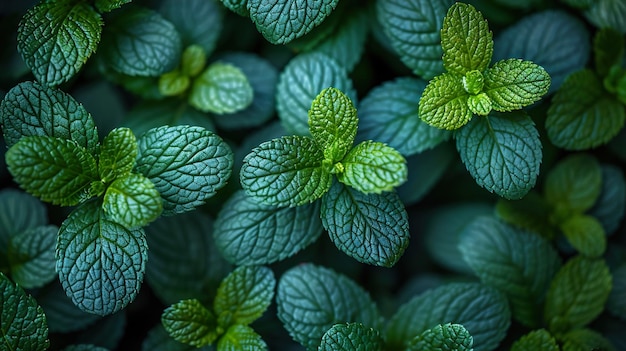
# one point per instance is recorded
(443, 337)
(241, 338)
(351, 337)
(198, 22)
(585, 234)
(132, 201)
(117, 155)
(444, 103)
(610, 205)
(539, 339)
(512, 84)
(189, 322)
(31, 256)
(221, 88)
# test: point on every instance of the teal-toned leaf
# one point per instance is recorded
(577, 294)
(351, 337)
(443, 337)
(585, 339)
(140, 42)
(299, 84)
(333, 123)
(117, 155)
(241, 338)
(187, 164)
(608, 50)
(158, 339)
(372, 228)
(347, 43)
(607, 13)
(173, 83)
(110, 5)
(23, 323)
(610, 205)
(105, 102)
(444, 103)
(413, 28)
(553, 39)
(273, 130)
(585, 234)
(150, 114)
(55, 170)
(250, 233)
(390, 115)
(512, 84)
(100, 262)
(503, 154)
(56, 38)
(285, 172)
(519, 263)
(198, 22)
(319, 34)
(482, 310)
(239, 7)
(31, 256)
(132, 201)
(539, 339)
(531, 212)
(19, 212)
(61, 313)
(311, 299)
(221, 88)
(616, 303)
(466, 40)
(581, 115)
(282, 21)
(189, 322)
(84, 347)
(31, 109)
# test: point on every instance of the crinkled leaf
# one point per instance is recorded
(610, 205)
(512, 84)
(466, 40)
(150, 114)
(581, 115)
(30, 109)
(351, 337)
(443, 337)
(584, 340)
(608, 50)
(347, 43)
(132, 201)
(607, 13)
(56, 38)
(577, 294)
(117, 155)
(616, 303)
(311, 299)
(585, 234)
(241, 338)
(189, 322)
(285, 172)
(187, 164)
(248, 232)
(503, 154)
(55, 170)
(539, 339)
(444, 103)
(239, 7)
(100, 262)
(199, 22)
(110, 5)
(19, 212)
(23, 323)
(519, 263)
(31, 256)
(372, 228)
(221, 88)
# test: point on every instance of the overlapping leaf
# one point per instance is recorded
(117, 154)
(512, 84)
(198, 22)
(189, 322)
(539, 339)
(132, 201)
(221, 88)
(351, 337)
(31, 256)
(443, 337)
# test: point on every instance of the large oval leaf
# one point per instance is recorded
(199, 22)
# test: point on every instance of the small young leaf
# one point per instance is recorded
(221, 88)
(199, 22)
(584, 340)
(117, 155)
(56, 38)
(110, 5)
(23, 323)
(466, 40)
(19, 212)
(333, 123)
(132, 201)
(539, 339)
(351, 337)
(55, 170)
(443, 337)
(585, 234)
(608, 49)
(616, 303)
(100, 262)
(285, 172)
(610, 205)
(372, 228)
(187, 164)
(241, 338)
(31, 256)
(512, 84)
(444, 103)
(189, 322)
(577, 294)
(173, 83)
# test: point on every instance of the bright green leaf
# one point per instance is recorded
(241, 338)
(539, 339)
(189, 322)
(110, 5)
(584, 340)
(611, 204)
(173, 83)
(512, 84)
(351, 337)
(585, 234)
(480, 104)
(193, 60)
(132, 201)
(19, 212)
(444, 103)
(608, 50)
(31, 256)
(117, 155)
(443, 337)
(199, 22)
(221, 88)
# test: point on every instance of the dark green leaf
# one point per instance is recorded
(198, 21)
(239, 7)
(31, 256)
(241, 338)
(584, 340)
(189, 322)
(117, 155)
(608, 50)
(132, 201)
(607, 13)
(150, 114)
(61, 313)
(110, 5)
(531, 212)
(443, 337)
(616, 304)
(539, 339)
(106, 332)
(610, 205)
(105, 102)
(18, 212)
(585, 234)
(84, 347)
(221, 88)
(159, 340)
(512, 84)
(444, 103)
(351, 337)
(347, 43)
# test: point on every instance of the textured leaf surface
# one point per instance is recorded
(443, 337)
(512, 84)
(610, 205)
(333, 123)
(221, 88)
(198, 22)
(31, 256)
(55, 39)
(311, 299)
(351, 337)
(585, 234)
(187, 164)
(117, 154)
(285, 172)
(132, 201)
(23, 323)
(55, 170)
(482, 310)
(249, 233)
(373, 228)
(189, 322)
(100, 262)
(281, 21)
(18, 212)
(110, 5)
(519, 263)
(444, 103)
(539, 339)
(241, 338)
(503, 154)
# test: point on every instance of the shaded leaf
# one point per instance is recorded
(351, 337)
(31, 256)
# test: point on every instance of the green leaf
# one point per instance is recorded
(585, 234)
(31, 109)
(31, 256)
(347, 43)
(56, 38)
(239, 7)
(61, 313)
(149, 114)
(607, 13)
(512, 84)
(19, 212)
(250, 233)
(110, 5)
(140, 42)
(521, 264)
(244, 295)
(585, 339)
(173, 83)
(372, 228)
(241, 338)
(466, 40)
(610, 205)
(577, 294)
(444, 103)
(311, 299)
(351, 337)
(413, 28)
(23, 323)
(221, 88)
(285, 172)
(100, 262)
(198, 22)
(608, 50)
(158, 339)
(55, 170)
(531, 212)
(616, 303)
(189, 322)
(132, 201)
(117, 155)
(443, 337)
(283, 20)
(582, 115)
(187, 164)
(373, 167)
(482, 310)
(539, 339)
(503, 154)
(193, 60)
